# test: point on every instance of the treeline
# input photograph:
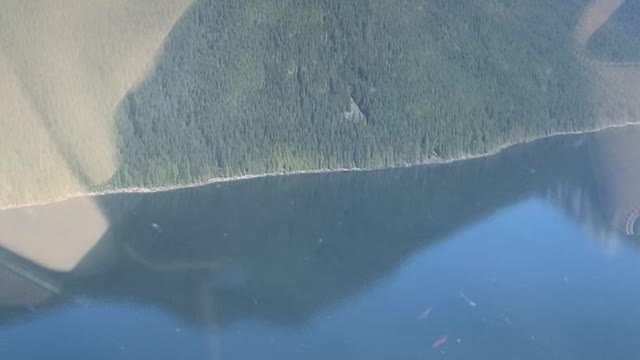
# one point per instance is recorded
(263, 85)
(618, 40)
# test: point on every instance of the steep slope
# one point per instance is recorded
(266, 86)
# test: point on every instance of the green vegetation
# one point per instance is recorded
(619, 38)
(263, 86)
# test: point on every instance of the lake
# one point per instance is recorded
(528, 254)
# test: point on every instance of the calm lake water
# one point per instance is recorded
(529, 254)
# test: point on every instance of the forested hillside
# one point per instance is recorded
(259, 86)
(619, 38)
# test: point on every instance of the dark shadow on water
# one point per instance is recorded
(282, 249)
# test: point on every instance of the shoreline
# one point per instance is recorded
(215, 180)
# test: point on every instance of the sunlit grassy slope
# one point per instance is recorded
(64, 66)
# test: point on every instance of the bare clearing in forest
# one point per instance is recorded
(594, 17)
(617, 91)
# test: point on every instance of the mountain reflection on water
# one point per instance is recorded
(282, 250)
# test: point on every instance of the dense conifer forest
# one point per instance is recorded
(260, 86)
